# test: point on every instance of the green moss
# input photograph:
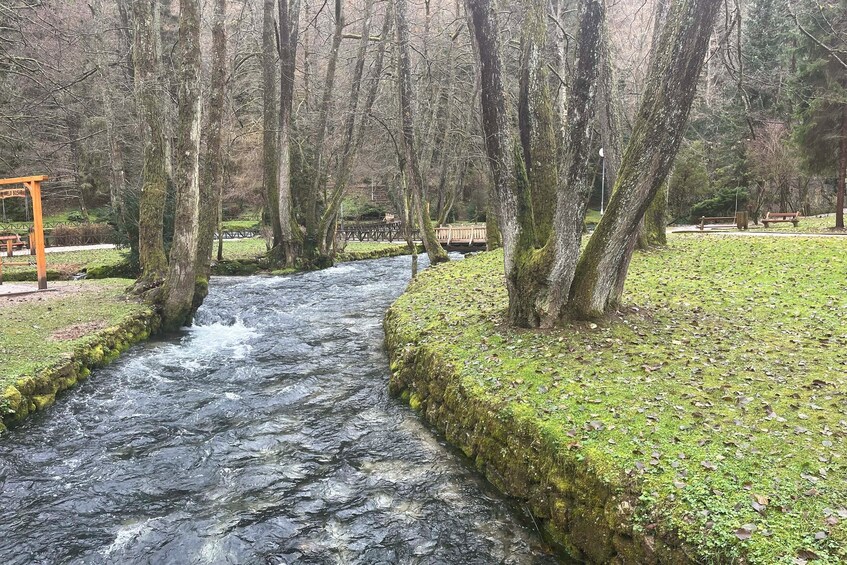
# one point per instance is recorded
(50, 344)
(718, 402)
(415, 401)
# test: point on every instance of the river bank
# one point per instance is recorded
(264, 433)
(705, 424)
(50, 341)
(241, 257)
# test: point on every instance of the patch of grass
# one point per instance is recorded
(241, 249)
(27, 340)
(810, 224)
(592, 217)
(240, 224)
(66, 263)
(719, 393)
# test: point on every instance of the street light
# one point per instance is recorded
(602, 183)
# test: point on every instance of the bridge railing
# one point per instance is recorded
(453, 235)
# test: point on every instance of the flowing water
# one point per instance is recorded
(264, 434)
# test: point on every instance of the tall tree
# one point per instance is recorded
(352, 140)
(178, 290)
(656, 136)
(270, 119)
(414, 178)
(287, 251)
(547, 278)
(150, 98)
(822, 131)
(212, 185)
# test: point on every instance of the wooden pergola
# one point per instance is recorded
(33, 186)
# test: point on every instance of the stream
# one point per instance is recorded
(262, 434)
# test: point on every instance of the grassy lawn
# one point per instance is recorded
(240, 224)
(811, 224)
(720, 393)
(64, 264)
(37, 331)
(68, 262)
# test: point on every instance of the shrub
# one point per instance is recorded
(80, 234)
(723, 203)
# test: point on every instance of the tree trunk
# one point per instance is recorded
(212, 186)
(497, 132)
(311, 244)
(842, 170)
(653, 231)
(270, 120)
(149, 94)
(575, 184)
(609, 111)
(178, 290)
(108, 94)
(352, 142)
(287, 251)
(658, 131)
(415, 181)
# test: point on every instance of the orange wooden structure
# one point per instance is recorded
(33, 186)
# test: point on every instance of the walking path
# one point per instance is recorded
(24, 252)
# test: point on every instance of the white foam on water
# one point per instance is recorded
(127, 534)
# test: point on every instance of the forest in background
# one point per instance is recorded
(252, 105)
(759, 126)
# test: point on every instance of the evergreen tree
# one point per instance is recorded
(822, 92)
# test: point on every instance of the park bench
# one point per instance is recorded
(10, 243)
(780, 217)
(739, 220)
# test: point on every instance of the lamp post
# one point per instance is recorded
(602, 183)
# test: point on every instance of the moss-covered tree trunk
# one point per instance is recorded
(842, 170)
(150, 103)
(574, 183)
(497, 132)
(178, 290)
(549, 201)
(150, 99)
(270, 119)
(414, 178)
(288, 249)
(212, 185)
(653, 232)
(657, 133)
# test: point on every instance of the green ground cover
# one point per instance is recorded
(719, 393)
(810, 224)
(61, 265)
(40, 332)
(240, 224)
(64, 264)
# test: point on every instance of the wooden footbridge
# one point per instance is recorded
(472, 236)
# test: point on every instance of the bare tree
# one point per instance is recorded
(149, 92)
(178, 290)
(413, 171)
(287, 251)
(213, 171)
(655, 140)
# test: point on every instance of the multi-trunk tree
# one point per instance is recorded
(548, 279)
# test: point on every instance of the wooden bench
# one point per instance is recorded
(11, 242)
(739, 220)
(780, 217)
